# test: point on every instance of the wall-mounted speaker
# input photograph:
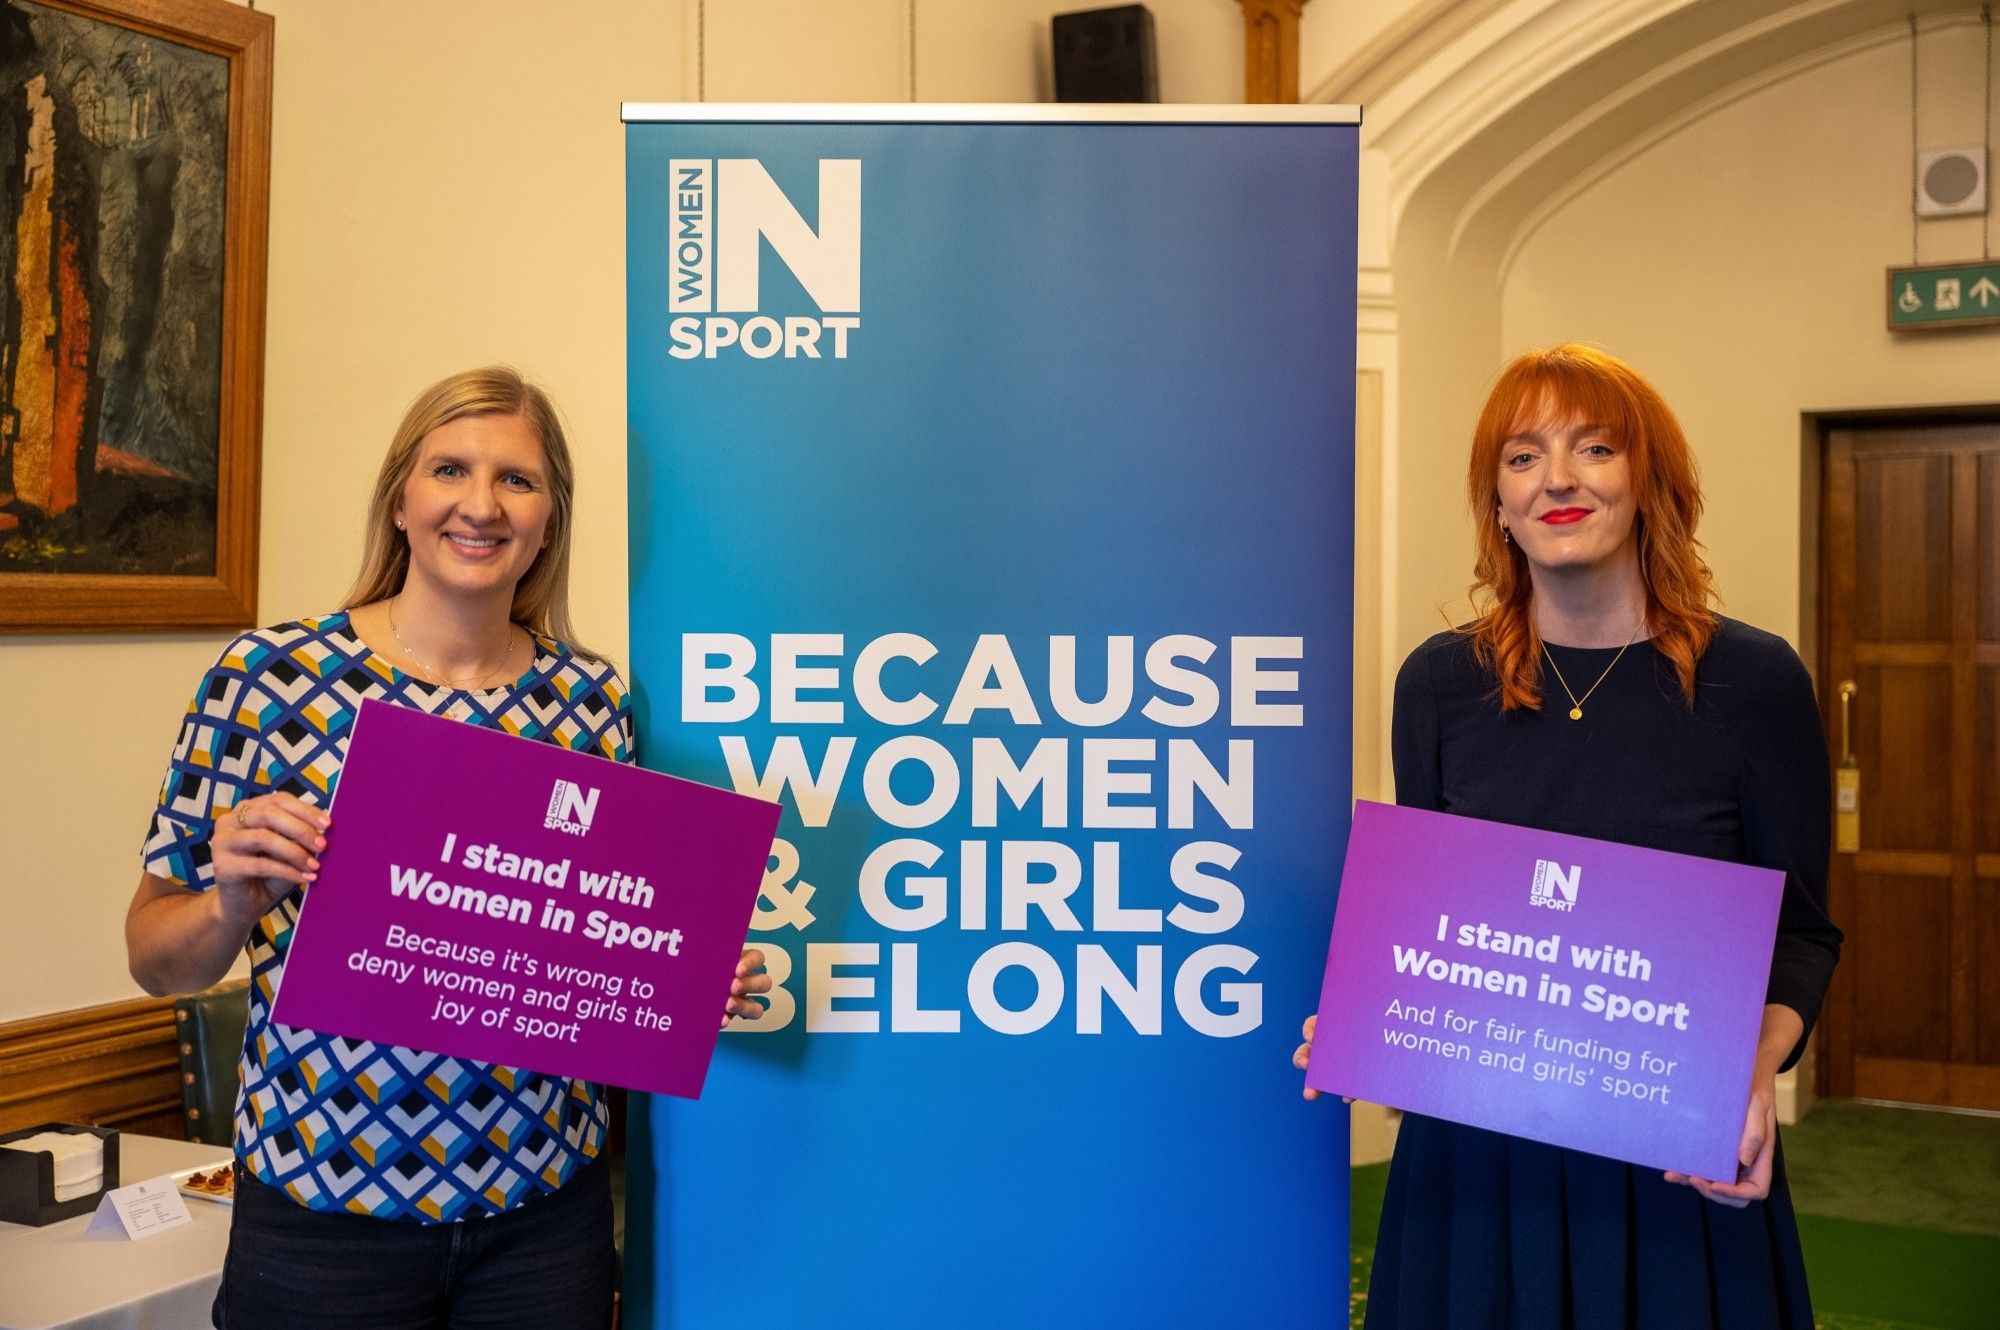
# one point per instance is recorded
(1951, 182)
(1106, 55)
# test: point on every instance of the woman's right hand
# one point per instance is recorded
(179, 939)
(261, 849)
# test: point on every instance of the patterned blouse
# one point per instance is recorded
(348, 1124)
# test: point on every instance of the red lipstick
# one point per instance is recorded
(1564, 516)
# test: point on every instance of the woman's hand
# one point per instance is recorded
(1755, 1153)
(1303, 1054)
(181, 940)
(750, 979)
(260, 850)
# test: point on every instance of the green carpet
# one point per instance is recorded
(1904, 1166)
(1874, 1275)
(1365, 1186)
(1899, 1214)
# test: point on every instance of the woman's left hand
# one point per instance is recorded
(750, 979)
(1755, 1153)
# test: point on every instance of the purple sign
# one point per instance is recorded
(489, 897)
(1596, 996)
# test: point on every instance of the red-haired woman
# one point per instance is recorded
(1598, 694)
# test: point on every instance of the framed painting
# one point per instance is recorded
(134, 184)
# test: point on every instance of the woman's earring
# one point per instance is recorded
(1506, 536)
(399, 524)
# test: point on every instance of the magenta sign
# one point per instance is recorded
(490, 897)
(1592, 995)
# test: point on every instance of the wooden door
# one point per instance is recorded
(1910, 612)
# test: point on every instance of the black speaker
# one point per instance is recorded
(1106, 55)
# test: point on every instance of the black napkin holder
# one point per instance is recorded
(28, 1177)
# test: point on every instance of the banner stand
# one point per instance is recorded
(992, 511)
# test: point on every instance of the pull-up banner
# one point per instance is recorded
(991, 511)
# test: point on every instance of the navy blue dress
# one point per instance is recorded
(1482, 1230)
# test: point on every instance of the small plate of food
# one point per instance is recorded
(216, 1184)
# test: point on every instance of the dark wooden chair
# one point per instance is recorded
(209, 1027)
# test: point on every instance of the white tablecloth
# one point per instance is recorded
(61, 1276)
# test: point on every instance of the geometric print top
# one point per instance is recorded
(348, 1124)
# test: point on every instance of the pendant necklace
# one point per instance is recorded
(1575, 702)
(459, 709)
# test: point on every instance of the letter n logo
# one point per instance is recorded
(571, 803)
(751, 209)
(1553, 880)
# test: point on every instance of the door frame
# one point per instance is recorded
(1814, 429)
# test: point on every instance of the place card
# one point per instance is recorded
(141, 1210)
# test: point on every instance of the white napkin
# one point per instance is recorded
(79, 1159)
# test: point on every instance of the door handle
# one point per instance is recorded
(1847, 780)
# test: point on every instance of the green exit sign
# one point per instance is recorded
(1944, 295)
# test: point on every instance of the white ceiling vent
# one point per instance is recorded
(1951, 182)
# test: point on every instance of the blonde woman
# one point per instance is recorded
(371, 1192)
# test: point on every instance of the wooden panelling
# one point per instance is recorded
(1903, 981)
(1271, 50)
(1986, 803)
(1839, 1016)
(1904, 594)
(1903, 653)
(1903, 863)
(1903, 723)
(110, 1066)
(1908, 1081)
(1989, 546)
(1986, 941)
(1909, 603)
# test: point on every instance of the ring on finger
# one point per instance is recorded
(241, 809)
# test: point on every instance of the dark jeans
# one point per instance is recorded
(548, 1264)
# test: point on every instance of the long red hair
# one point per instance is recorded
(1574, 382)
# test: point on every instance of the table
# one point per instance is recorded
(61, 1276)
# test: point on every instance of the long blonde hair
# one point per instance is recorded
(541, 597)
(1582, 381)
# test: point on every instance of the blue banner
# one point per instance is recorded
(991, 508)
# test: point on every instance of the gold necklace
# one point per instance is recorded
(456, 685)
(1575, 702)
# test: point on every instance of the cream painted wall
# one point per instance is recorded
(1740, 264)
(1331, 32)
(446, 190)
(991, 51)
(1739, 260)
